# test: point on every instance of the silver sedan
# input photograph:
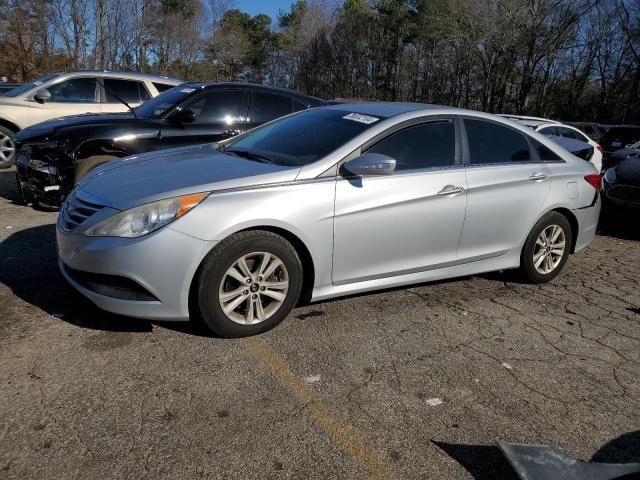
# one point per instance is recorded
(323, 203)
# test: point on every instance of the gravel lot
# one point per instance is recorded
(410, 383)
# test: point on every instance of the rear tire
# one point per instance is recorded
(7, 147)
(546, 249)
(88, 164)
(248, 284)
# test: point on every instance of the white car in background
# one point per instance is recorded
(72, 93)
(551, 129)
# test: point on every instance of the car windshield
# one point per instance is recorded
(28, 86)
(158, 106)
(302, 138)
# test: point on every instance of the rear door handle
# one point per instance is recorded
(538, 176)
(451, 190)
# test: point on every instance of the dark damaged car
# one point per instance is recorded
(53, 156)
(621, 185)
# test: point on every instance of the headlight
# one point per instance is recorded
(146, 218)
(610, 175)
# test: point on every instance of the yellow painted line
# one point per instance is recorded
(344, 435)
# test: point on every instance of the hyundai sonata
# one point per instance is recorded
(323, 203)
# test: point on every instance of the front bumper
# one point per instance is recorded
(40, 180)
(621, 195)
(163, 264)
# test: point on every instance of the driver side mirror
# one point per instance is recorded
(182, 116)
(370, 164)
(42, 96)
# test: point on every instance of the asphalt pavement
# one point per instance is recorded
(414, 383)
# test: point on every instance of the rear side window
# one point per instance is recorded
(544, 153)
(130, 91)
(568, 133)
(493, 143)
(297, 106)
(269, 106)
(426, 145)
(75, 90)
(549, 131)
(162, 87)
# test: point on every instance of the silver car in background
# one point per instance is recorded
(326, 202)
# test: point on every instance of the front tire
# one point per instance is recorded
(7, 147)
(546, 249)
(88, 164)
(248, 284)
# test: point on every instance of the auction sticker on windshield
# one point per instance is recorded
(359, 117)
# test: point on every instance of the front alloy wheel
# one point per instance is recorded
(254, 288)
(248, 283)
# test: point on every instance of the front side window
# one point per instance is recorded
(269, 106)
(160, 105)
(421, 146)
(130, 91)
(75, 90)
(493, 143)
(28, 86)
(221, 106)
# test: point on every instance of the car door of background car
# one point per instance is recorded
(133, 92)
(267, 106)
(508, 183)
(220, 114)
(406, 222)
(74, 96)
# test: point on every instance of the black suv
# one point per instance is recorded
(53, 156)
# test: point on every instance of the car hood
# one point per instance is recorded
(48, 128)
(624, 153)
(628, 171)
(13, 101)
(132, 181)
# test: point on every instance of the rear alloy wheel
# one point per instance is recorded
(7, 148)
(546, 249)
(248, 284)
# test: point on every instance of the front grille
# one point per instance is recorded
(625, 193)
(76, 210)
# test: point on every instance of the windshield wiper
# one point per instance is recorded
(248, 154)
(117, 97)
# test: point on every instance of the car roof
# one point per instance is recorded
(386, 109)
(529, 121)
(256, 86)
(130, 75)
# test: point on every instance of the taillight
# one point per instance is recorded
(600, 149)
(593, 180)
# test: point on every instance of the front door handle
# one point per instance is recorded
(538, 176)
(451, 190)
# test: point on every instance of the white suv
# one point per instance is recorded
(551, 128)
(73, 93)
